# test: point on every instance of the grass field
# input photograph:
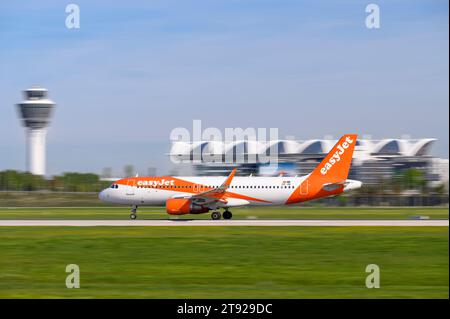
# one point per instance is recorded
(224, 262)
(292, 212)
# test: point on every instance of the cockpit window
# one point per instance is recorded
(114, 186)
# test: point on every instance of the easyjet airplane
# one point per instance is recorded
(198, 195)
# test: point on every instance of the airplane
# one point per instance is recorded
(199, 195)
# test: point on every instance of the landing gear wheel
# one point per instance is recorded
(227, 214)
(133, 215)
(216, 215)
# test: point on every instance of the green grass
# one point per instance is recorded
(224, 262)
(285, 212)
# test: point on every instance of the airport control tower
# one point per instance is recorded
(35, 112)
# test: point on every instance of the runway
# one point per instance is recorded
(126, 223)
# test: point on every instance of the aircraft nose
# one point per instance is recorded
(102, 195)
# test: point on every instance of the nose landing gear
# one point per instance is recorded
(133, 214)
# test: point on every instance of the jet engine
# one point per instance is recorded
(181, 206)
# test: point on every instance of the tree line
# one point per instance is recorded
(411, 179)
(11, 180)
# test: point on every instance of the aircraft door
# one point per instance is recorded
(304, 188)
(130, 189)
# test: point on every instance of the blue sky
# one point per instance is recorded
(135, 70)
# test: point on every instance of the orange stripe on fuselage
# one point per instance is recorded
(179, 185)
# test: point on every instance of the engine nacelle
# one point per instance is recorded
(181, 206)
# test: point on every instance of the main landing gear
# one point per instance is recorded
(216, 215)
(226, 215)
(133, 215)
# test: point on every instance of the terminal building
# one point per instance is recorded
(374, 162)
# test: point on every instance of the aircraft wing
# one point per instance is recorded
(213, 195)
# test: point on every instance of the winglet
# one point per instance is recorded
(227, 182)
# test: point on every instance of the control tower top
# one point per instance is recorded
(35, 93)
(35, 111)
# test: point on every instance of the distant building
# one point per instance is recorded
(374, 161)
(439, 169)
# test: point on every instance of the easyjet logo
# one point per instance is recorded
(162, 182)
(336, 157)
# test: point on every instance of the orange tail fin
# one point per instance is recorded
(333, 169)
(335, 166)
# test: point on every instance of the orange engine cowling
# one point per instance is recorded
(181, 206)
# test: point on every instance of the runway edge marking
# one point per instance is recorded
(148, 223)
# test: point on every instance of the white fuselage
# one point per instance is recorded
(243, 190)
